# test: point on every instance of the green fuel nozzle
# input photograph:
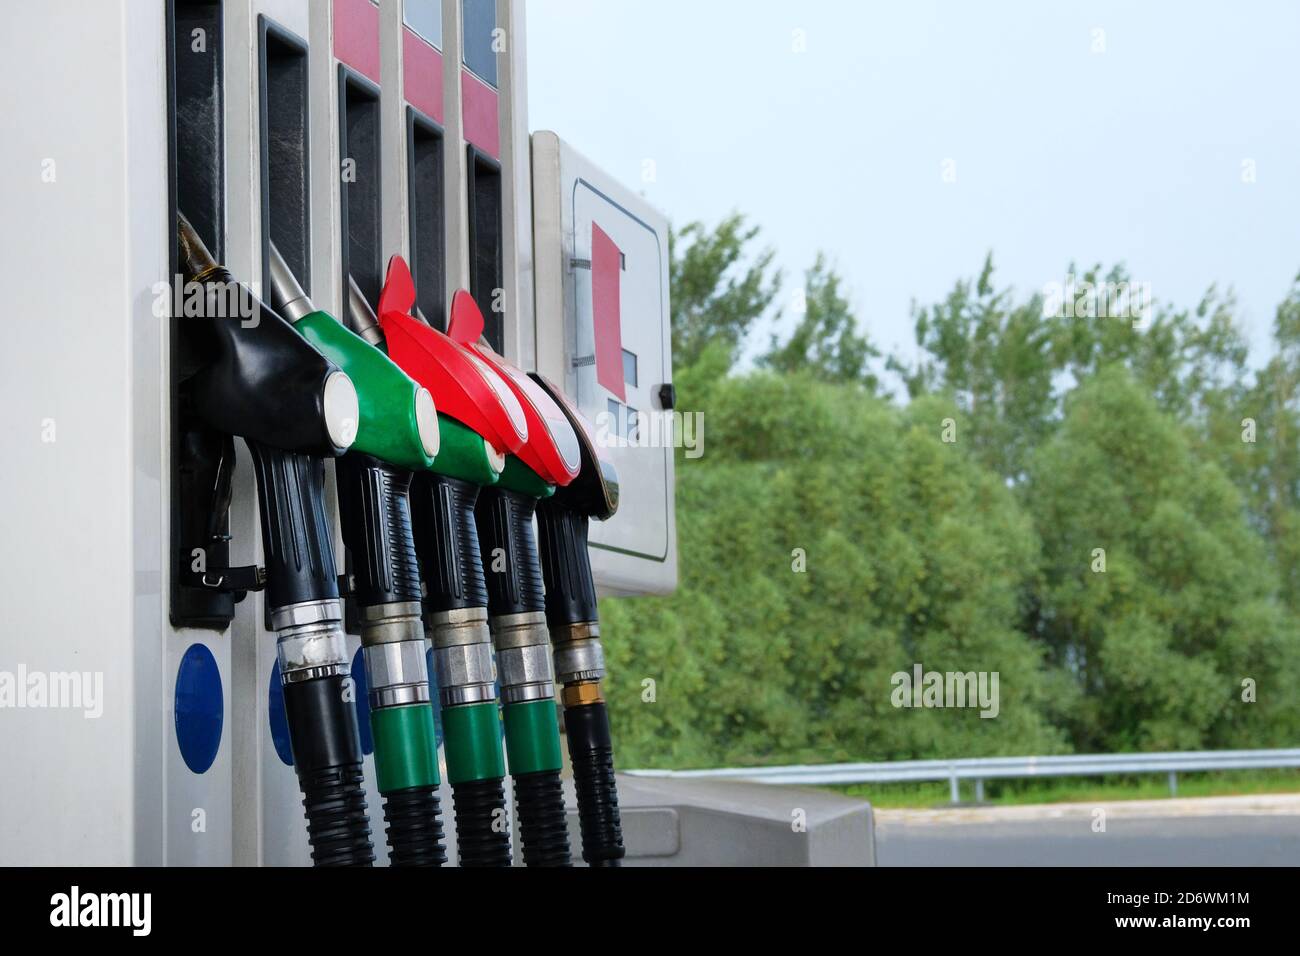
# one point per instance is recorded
(517, 619)
(398, 422)
(462, 452)
(397, 431)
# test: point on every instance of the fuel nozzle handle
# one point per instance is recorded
(572, 616)
(293, 406)
(376, 521)
(505, 530)
(376, 516)
(455, 608)
(397, 433)
(448, 546)
(566, 565)
(517, 616)
(290, 403)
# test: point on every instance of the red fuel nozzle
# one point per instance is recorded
(463, 386)
(552, 448)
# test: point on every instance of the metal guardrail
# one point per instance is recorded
(980, 769)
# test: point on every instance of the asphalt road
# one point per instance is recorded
(1233, 831)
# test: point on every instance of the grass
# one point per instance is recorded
(1078, 789)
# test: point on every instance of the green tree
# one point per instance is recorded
(1253, 431)
(911, 552)
(1009, 364)
(720, 288)
(1079, 432)
(995, 358)
(1159, 638)
(826, 342)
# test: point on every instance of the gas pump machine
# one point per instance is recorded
(346, 431)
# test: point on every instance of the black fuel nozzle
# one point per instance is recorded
(264, 382)
(293, 407)
(572, 615)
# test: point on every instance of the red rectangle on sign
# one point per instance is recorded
(356, 36)
(606, 311)
(422, 75)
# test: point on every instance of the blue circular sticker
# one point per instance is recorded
(198, 707)
(276, 718)
(361, 687)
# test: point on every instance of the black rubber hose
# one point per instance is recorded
(414, 831)
(592, 755)
(327, 757)
(543, 830)
(481, 837)
(337, 826)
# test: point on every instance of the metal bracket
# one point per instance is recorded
(227, 580)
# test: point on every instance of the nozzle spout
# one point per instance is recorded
(361, 318)
(287, 296)
(195, 258)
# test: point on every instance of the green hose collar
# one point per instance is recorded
(532, 736)
(472, 737)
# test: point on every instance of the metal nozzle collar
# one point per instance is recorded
(581, 694)
(391, 624)
(524, 693)
(580, 661)
(309, 612)
(568, 633)
(398, 674)
(312, 650)
(466, 673)
(526, 673)
(311, 642)
(463, 626)
(519, 630)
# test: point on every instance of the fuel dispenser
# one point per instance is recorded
(256, 164)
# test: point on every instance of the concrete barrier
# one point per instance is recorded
(673, 822)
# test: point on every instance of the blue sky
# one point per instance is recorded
(1068, 145)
